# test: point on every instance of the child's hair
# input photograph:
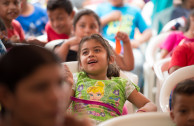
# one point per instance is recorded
(20, 62)
(185, 87)
(188, 22)
(83, 12)
(56, 4)
(2, 26)
(113, 70)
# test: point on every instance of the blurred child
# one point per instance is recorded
(60, 13)
(168, 46)
(98, 89)
(117, 16)
(182, 112)
(182, 56)
(10, 9)
(85, 23)
(34, 89)
(33, 19)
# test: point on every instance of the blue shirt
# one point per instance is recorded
(131, 19)
(2, 48)
(34, 24)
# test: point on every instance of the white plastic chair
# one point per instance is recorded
(168, 85)
(50, 45)
(42, 38)
(181, 21)
(140, 119)
(151, 57)
(161, 69)
(161, 72)
(73, 67)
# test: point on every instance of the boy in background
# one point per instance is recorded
(182, 112)
(10, 9)
(61, 14)
(117, 16)
(33, 19)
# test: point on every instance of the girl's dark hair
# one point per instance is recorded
(83, 12)
(185, 87)
(113, 70)
(56, 4)
(188, 22)
(2, 25)
(22, 61)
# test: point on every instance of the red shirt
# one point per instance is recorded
(16, 30)
(183, 55)
(52, 35)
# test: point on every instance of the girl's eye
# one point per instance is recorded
(91, 94)
(93, 27)
(16, 2)
(82, 26)
(97, 50)
(84, 52)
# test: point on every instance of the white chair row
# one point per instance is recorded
(151, 56)
(140, 119)
(168, 85)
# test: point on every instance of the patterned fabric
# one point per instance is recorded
(2, 48)
(131, 19)
(113, 92)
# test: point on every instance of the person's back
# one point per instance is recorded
(33, 19)
(60, 13)
(176, 37)
(182, 56)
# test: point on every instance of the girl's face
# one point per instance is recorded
(183, 111)
(10, 9)
(117, 3)
(86, 26)
(61, 21)
(41, 98)
(93, 58)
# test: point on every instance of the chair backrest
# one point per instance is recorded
(153, 47)
(180, 22)
(140, 119)
(50, 45)
(168, 85)
(73, 66)
(42, 37)
(160, 69)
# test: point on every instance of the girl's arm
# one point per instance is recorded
(125, 62)
(141, 102)
(163, 53)
(63, 50)
(68, 76)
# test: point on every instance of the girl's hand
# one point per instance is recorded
(122, 36)
(15, 39)
(68, 75)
